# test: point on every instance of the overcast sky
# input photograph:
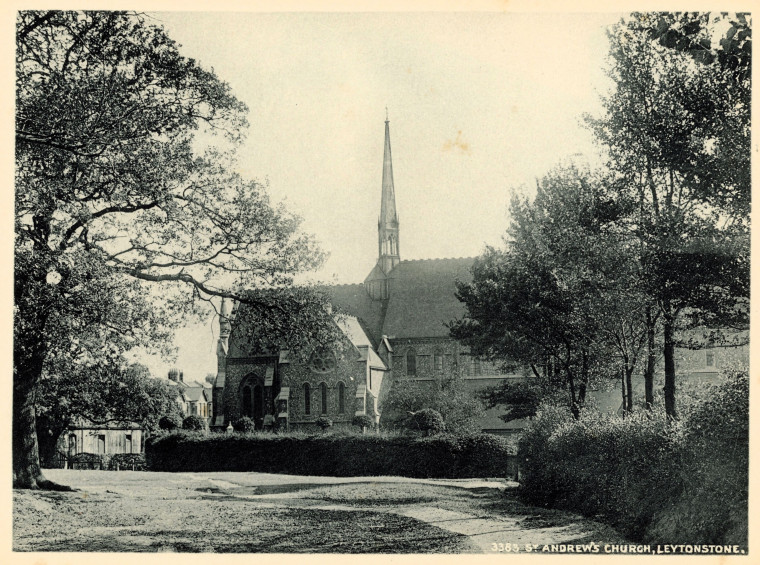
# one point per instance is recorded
(479, 105)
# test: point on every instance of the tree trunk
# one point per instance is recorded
(48, 434)
(629, 389)
(28, 361)
(622, 390)
(651, 361)
(670, 366)
(26, 461)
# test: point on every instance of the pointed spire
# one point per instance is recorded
(388, 202)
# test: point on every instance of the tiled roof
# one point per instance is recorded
(195, 394)
(422, 297)
(352, 299)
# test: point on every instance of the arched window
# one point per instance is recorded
(392, 245)
(411, 363)
(306, 398)
(247, 405)
(323, 397)
(438, 360)
(72, 444)
(341, 398)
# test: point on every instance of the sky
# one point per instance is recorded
(479, 104)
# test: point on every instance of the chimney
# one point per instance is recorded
(173, 374)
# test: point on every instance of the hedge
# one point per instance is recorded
(478, 455)
(127, 462)
(655, 480)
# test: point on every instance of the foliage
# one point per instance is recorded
(439, 456)
(676, 133)
(193, 423)
(427, 421)
(713, 466)
(654, 479)
(116, 194)
(170, 423)
(549, 297)
(96, 461)
(520, 398)
(99, 394)
(324, 422)
(127, 462)
(244, 424)
(210, 379)
(459, 407)
(363, 421)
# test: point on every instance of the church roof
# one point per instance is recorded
(421, 302)
(352, 299)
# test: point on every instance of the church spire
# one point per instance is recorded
(388, 201)
(387, 228)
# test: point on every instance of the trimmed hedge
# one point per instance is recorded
(478, 455)
(127, 462)
(99, 461)
(656, 481)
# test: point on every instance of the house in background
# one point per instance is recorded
(194, 398)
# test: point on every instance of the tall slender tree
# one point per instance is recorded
(675, 129)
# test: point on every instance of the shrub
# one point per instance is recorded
(324, 422)
(169, 423)
(363, 421)
(127, 462)
(194, 423)
(655, 480)
(713, 467)
(439, 456)
(427, 421)
(460, 408)
(243, 424)
(98, 461)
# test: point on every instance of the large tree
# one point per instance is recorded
(676, 131)
(117, 195)
(549, 298)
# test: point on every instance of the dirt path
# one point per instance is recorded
(253, 512)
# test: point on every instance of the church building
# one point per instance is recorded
(395, 329)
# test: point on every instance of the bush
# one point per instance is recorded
(440, 456)
(194, 423)
(655, 480)
(169, 423)
(243, 424)
(97, 461)
(427, 421)
(127, 462)
(363, 421)
(713, 466)
(324, 422)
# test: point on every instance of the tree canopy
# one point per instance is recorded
(118, 189)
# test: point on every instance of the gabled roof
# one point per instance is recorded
(422, 297)
(354, 331)
(196, 394)
(352, 299)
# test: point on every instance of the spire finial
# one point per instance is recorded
(386, 113)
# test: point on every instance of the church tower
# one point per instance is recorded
(377, 283)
